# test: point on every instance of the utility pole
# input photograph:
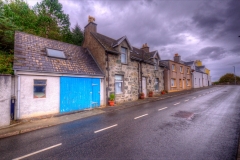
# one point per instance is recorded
(234, 75)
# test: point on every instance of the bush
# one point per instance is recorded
(6, 63)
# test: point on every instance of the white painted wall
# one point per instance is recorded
(32, 107)
(197, 79)
(5, 98)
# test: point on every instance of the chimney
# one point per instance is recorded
(145, 48)
(91, 26)
(177, 58)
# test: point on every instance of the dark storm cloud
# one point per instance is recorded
(236, 50)
(203, 29)
(212, 53)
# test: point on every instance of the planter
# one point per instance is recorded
(163, 93)
(111, 103)
(141, 97)
(150, 95)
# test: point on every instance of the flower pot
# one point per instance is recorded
(150, 95)
(111, 103)
(141, 97)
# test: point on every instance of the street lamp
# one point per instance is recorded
(234, 74)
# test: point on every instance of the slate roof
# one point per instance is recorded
(30, 55)
(189, 63)
(109, 45)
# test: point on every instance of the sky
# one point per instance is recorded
(205, 30)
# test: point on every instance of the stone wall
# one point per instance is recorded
(150, 73)
(5, 98)
(130, 74)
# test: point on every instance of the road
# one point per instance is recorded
(198, 125)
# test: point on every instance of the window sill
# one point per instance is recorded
(124, 63)
(118, 93)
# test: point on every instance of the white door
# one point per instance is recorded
(144, 86)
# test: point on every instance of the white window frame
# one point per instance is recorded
(156, 83)
(43, 85)
(173, 67)
(174, 82)
(181, 69)
(120, 82)
(125, 55)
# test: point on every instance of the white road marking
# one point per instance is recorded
(105, 128)
(193, 97)
(176, 103)
(186, 100)
(38, 151)
(140, 116)
(162, 108)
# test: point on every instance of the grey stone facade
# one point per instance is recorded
(140, 63)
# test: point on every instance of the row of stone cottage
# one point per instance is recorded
(55, 77)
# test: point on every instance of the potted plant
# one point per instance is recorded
(163, 92)
(150, 93)
(111, 99)
(142, 95)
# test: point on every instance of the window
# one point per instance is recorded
(118, 84)
(188, 70)
(181, 69)
(123, 55)
(55, 53)
(156, 84)
(188, 82)
(195, 81)
(39, 88)
(180, 83)
(173, 67)
(173, 83)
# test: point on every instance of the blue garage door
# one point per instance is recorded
(79, 93)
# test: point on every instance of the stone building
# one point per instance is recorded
(177, 75)
(128, 70)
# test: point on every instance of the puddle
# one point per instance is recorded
(184, 114)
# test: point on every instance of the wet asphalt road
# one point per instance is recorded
(199, 125)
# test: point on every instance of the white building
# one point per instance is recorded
(54, 77)
(200, 77)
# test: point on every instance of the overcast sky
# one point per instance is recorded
(196, 29)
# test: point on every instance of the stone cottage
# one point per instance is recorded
(128, 70)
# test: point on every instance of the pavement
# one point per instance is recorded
(213, 118)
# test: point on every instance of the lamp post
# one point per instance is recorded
(234, 75)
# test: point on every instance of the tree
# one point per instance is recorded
(53, 22)
(229, 77)
(15, 15)
(77, 35)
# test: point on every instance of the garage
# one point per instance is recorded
(77, 93)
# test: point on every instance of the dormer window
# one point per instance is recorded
(55, 53)
(123, 55)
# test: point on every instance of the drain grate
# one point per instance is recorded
(184, 114)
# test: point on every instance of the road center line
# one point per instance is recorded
(186, 100)
(105, 128)
(176, 103)
(162, 108)
(140, 116)
(38, 151)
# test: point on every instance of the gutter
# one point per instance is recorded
(18, 94)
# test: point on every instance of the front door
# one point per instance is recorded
(183, 82)
(144, 86)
